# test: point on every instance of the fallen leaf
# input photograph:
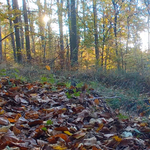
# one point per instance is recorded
(96, 101)
(57, 147)
(67, 132)
(118, 139)
(16, 130)
(53, 139)
(79, 134)
(48, 67)
(61, 129)
(100, 127)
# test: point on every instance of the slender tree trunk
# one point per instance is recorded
(60, 7)
(102, 54)
(41, 27)
(0, 43)
(96, 33)
(69, 20)
(17, 34)
(11, 29)
(74, 40)
(115, 32)
(50, 37)
(148, 33)
(26, 31)
(127, 43)
(32, 33)
(21, 33)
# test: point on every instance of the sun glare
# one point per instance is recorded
(144, 38)
(46, 19)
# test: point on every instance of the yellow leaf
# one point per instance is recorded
(118, 139)
(100, 127)
(48, 67)
(64, 109)
(59, 148)
(2, 112)
(67, 132)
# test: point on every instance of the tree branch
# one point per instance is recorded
(6, 36)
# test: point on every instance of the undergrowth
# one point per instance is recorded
(124, 91)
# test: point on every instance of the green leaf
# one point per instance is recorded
(44, 129)
(49, 122)
(68, 84)
(79, 85)
(68, 95)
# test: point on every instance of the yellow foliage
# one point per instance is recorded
(48, 67)
(67, 132)
(118, 139)
(59, 147)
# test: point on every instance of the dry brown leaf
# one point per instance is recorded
(79, 134)
(16, 130)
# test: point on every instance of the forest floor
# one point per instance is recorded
(43, 111)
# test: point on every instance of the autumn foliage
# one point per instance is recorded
(34, 115)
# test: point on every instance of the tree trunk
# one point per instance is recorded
(17, 34)
(32, 33)
(96, 33)
(11, 29)
(115, 32)
(148, 33)
(0, 43)
(69, 22)
(26, 31)
(41, 27)
(102, 54)
(73, 33)
(21, 33)
(60, 7)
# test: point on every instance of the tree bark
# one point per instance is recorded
(73, 33)
(11, 29)
(96, 33)
(32, 33)
(115, 32)
(0, 43)
(41, 27)
(26, 31)
(17, 34)
(60, 7)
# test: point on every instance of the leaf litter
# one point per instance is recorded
(34, 116)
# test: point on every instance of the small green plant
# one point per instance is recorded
(68, 95)
(44, 79)
(44, 129)
(121, 116)
(3, 72)
(49, 79)
(77, 93)
(49, 122)
(16, 75)
(79, 85)
(68, 84)
(74, 93)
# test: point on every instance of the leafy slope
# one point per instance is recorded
(40, 116)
